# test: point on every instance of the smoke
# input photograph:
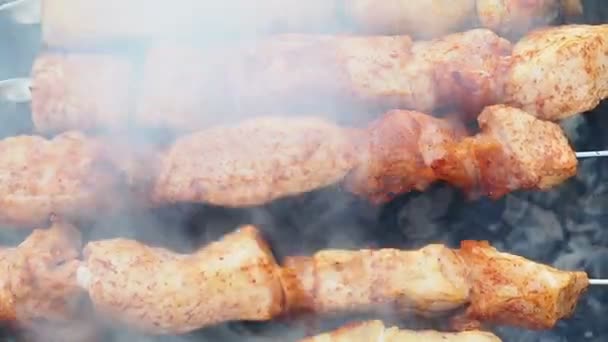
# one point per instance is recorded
(547, 227)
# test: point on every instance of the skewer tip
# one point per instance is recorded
(15, 90)
(598, 281)
(592, 154)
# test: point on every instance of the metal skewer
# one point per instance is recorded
(15, 90)
(598, 281)
(592, 154)
(22, 11)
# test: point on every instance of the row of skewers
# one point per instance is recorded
(77, 24)
(550, 74)
(263, 159)
(553, 74)
(237, 278)
(513, 90)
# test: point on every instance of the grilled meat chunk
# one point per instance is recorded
(70, 176)
(163, 292)
(514, 150)
(92, 23)
(376, 331)
(185, 88)
(254, 162)
(38, 279)
(508, 289)
(80, 91)
(427, 281)
(559, 72)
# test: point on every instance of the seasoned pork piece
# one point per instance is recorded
(236, 278)
(427, 281)
(516, 17)
(493, 287)
(508, 289)
(70, 176)
(395, 154)
(163, 292)
(405, 151)
(514, 151)
(254, 162)
(38, 277)
(80, 91)
(422, 19)
(375, 331)
(183, 88)
(329, 74)
(559, 72)
(92, 23)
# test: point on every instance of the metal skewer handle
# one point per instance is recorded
(15, 90)
(26, 12)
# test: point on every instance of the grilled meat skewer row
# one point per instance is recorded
(74, 23)
(293, 74)
(552, 73)
(237, 278)
(263, 159)
(375, 331)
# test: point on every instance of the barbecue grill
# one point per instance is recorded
(564, 227)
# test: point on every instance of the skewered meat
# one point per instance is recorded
(428, 281)
(333, 74)
(267, 158)
(376, 331)
(160, 291)
(81, 92)
(39, 276)
(496, 287)
(516, 17)
(93, 23)
(188, 88)
(70, 176)
(513, 151)
(425, 18)
(559, 72)
(255, 162)
(237, 278)
(495, 297)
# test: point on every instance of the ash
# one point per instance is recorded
(562, 227)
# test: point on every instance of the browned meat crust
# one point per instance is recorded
(187, 89)
(377, 332)
(39, 276)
